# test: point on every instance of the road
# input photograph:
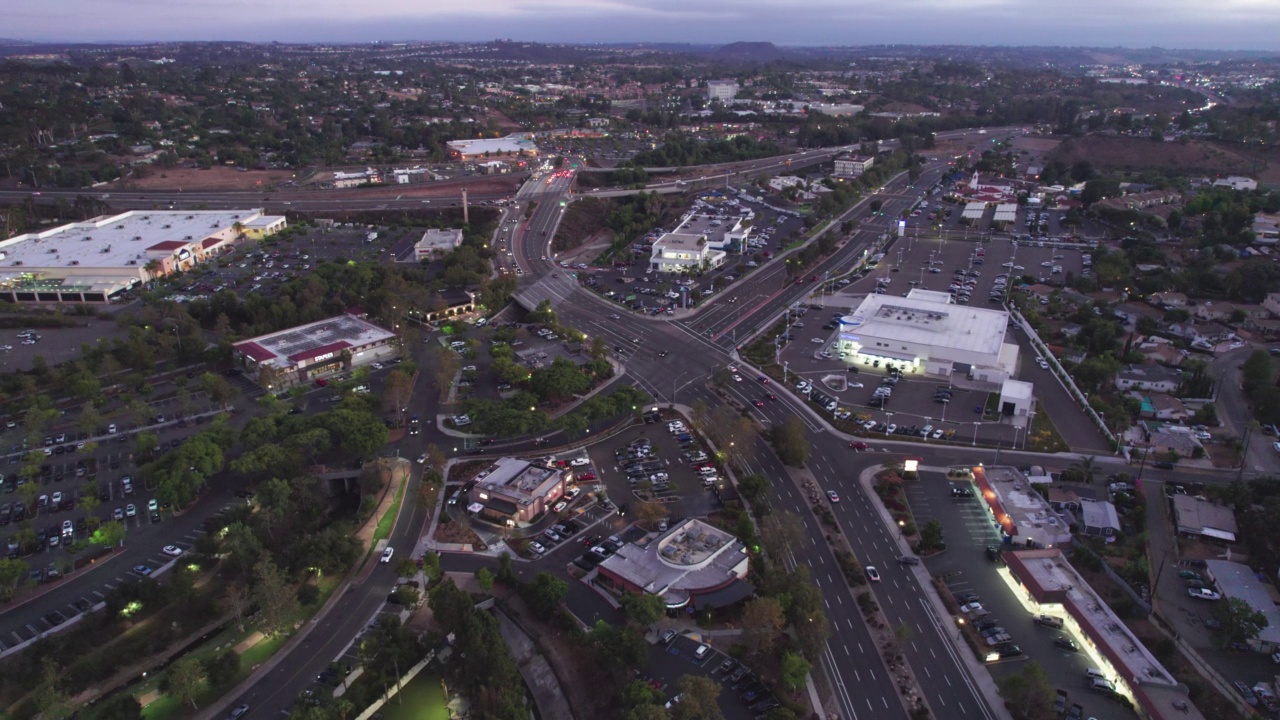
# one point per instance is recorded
(696, 347)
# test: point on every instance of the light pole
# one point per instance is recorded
(673, 385)
(975, 434)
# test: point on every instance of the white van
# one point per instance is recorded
(1094, 674)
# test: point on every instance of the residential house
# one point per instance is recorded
(1236, 182)
(1267, 327)
(1099, 518)
(1063, 500)
(1162, 353)
(1040, 291)
(1071, 330)
(1162, 406)
(1266, 228)
(1156, 378)
(1196, 517)
(1272, 304)
(1174, 439)
(1130, 312)
(1211, 310)
(1168, 300)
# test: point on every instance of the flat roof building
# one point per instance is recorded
(436, 242)
(93, 260)
(1045, 583)
(515, 492)
(722, 90)
(684, 253)
(306, 352)
(925, 331)
(484, 148)
(1024, 517)
(692, 564)
(1196, 517)
(1239, 581)
(853, 165)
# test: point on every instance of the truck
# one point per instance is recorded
(371, 236)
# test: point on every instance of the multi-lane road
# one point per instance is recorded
(695, 346)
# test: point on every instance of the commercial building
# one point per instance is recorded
(1025, 518)
(518, 144)
(1046, 584)
(94, 260)
(684, 253)
(514, 492)
(722, 90)
(1239, 581)
(853, 165)
(926, 332)
(690, 565)
(307, 352)
(436, 242)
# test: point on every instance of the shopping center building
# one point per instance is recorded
(309, 352)
(95, 260)
(926, 332)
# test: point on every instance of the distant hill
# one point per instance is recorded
(748, 51)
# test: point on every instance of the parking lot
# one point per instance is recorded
(628, 280)
(743, 695)
(971, 576)
(666, 473)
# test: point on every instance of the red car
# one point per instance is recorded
(763, 379)
(772, 396)
(859, 446)
(759, 403)
(587, 477)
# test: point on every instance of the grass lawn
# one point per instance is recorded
(383, 531)
(423, 699)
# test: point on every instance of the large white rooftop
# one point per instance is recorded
(123, 241)
(309, 343)
(921, 320)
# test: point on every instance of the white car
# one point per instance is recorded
(172, 550)
(873, 574)
(422, 459)
(537, 547)
(855, 385)
(580, 461)
(386, 554)
(816, 341)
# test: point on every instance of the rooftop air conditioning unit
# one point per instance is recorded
(75, 262)
(165, 227)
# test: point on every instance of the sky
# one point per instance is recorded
(1205, 24)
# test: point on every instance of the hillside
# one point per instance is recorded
(1110, 153)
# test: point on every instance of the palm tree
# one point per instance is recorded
(1088, 467)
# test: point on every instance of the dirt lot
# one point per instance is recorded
(1124, 153)
(217, 178)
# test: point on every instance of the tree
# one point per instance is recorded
(121, 707)
(1088, 467)
(12, 572)
(790, 443)
(183, 680)
(762, 622)
(619, 647)
(700, 701)
(50, 697)
(484, 579)
(1240, 622)
(238, 597)
(545, 594)
(1027, 693)
(397, 391)
(794, 670)
(109, 534)
(931, 535)
(650, 513)
(643, 609)
(277, 602)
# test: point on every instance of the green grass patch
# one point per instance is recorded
(261, 652)
(991, 409)
(422, 699)
(1044, 436)
(383, 531)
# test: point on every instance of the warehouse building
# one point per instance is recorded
(517, 144)
(313, 351)
(926, 332)
(95, 260)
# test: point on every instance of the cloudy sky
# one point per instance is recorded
(1209, 24)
